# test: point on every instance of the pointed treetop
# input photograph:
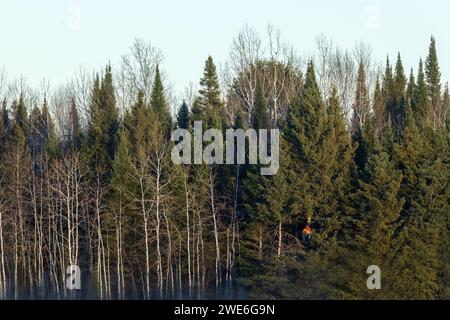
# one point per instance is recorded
(210, 84)
(310, 81)
(183, 116)
(400, 78)
(260, 112)
(158, 100)
(432, 69)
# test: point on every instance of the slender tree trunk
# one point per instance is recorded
(3, 279)
(188, 236)
(158, 229)
(279, 238)
(216, 232)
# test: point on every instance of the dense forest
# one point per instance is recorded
(86, 179)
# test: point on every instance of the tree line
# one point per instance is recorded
(365, 163)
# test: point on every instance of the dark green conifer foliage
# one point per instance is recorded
(109, 113)
(421, 105)
(256, 207)
(315, 275)
(139, 127)
(52, 146)
(21, 115)
(103, 124)
(379, 114)
(418, 252)
(361, 107)
(260, 112)
(409, 96)
(317, 142)
(377, 205)
(398, 117)
(96, 137)
(75, 137)
(433, 76)
(432, 69)
(159, 103)
(342, 152)
(121, 184)
(208, 105)
(306, 125)
(183, 116)
(446, 106)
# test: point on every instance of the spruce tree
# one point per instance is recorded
(75, 137)
(389, 93)
(139, 127)
(109, 113)
(48, 133)
(159, 103)
(255, 188)
(342, 152)
(421, 105)
(208, 105)
(96, 153)
(21, 115)
(398, 107)
(433, 76)
(409, 95)
(417, 245)
(305, 126)
(377, 205)
(183, 116)
(379, 113)
(361, 107)
(314, 151)
(446, 106)
(103, 125)
(260, 112)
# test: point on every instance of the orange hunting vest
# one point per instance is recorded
(307, 230)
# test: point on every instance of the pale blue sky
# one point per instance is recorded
(36, 42)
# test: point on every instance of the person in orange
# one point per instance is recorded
(307, 232)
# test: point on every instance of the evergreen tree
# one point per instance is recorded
(75, 137)
(95, 143)
(20, 115)
(361, 108)
(379, 114)
(398, 108)
(121, 201)
(255, 197)
(315, 276)
(446, 106)
(433, 76)
(389, 94)
(417, 246)
(314, 154)
(409, 95)
(103, 124)
(183, 116)
(260, 112)
(208, 105)
(376, 208)
(305, 126)
(109, 113)
(342, 152)
(421, 105)
(140, 122)
(48, 133)
(159, 104)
